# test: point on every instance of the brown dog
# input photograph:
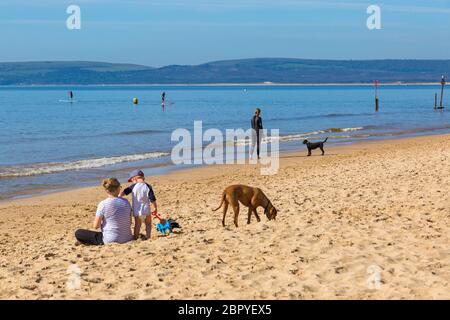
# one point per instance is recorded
(249, 197)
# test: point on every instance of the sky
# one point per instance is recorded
(166, 32)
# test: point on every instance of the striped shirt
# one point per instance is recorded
(116, 222)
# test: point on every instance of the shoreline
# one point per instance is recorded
(186, 171)
(169, 168)
(163, 169)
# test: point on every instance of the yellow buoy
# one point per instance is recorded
(135, 101)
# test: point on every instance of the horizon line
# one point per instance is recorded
(221, 60)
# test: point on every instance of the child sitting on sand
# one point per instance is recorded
(143, 202)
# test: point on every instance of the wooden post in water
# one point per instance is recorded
(376, 96)
(435, 101)
(442, 92)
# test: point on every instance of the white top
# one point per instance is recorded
(141, 201)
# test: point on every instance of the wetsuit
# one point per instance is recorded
(256, 126)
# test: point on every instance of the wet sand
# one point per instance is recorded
(370, 207)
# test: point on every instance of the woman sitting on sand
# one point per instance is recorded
(113, 217)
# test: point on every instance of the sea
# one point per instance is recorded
(50, 143)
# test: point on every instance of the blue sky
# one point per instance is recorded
(163, 32)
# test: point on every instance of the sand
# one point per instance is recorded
(360, 209)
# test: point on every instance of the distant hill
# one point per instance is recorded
(277, 70)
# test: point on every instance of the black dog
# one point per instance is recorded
(315, 145)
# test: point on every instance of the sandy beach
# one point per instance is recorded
(371, 206)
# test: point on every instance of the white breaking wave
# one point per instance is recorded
(46, 168)
(349, 129)
(299, 136)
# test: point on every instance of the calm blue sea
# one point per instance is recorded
(48, 143)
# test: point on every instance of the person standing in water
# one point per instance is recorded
(70, 95)
(256, 136)
(163, 98)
